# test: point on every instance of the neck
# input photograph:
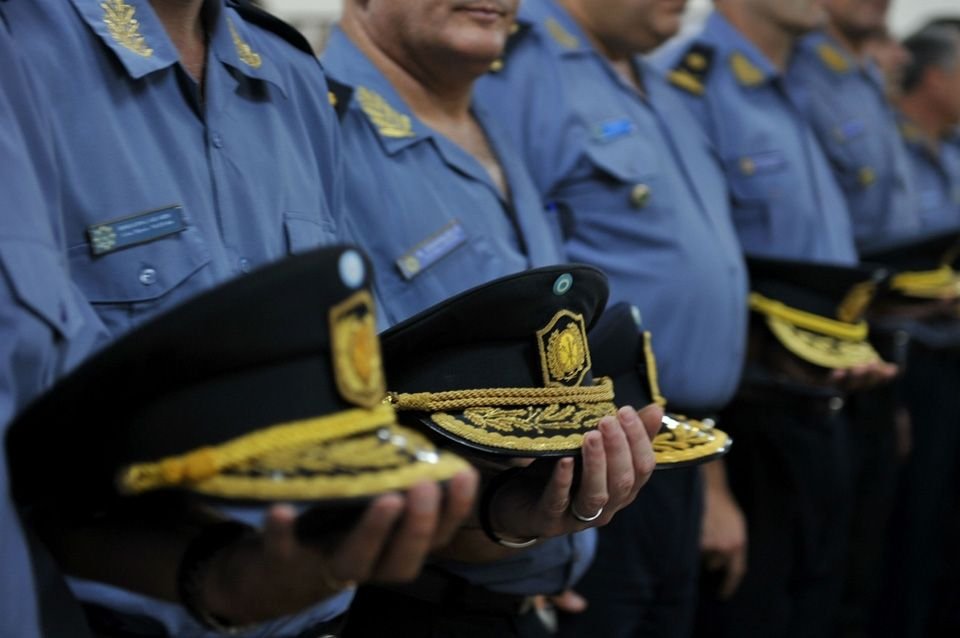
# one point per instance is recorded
(182, 21)
(850, 43)
(434, 89)
(926, 117)
(775, 43)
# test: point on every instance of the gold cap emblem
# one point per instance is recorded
(564, 353)
(357, 366)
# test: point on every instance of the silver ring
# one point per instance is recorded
(584, 519)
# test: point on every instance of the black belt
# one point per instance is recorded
(451, 592)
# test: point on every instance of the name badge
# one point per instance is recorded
(850, 130)
(432, 250)
(762, 162)
(109, 236)
(614, 129)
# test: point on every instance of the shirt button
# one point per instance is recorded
(216, 140)
(640, 195)
(244, 265)
(836, 404)
(148, 276)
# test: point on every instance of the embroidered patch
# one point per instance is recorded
(109, 236)
(562, 37)
(613, 129)
(832, 58)
(244, 52)
(564, 353)
(124, 28)
(389, 122)
(357, 365)
(432, 250)
(746, 72)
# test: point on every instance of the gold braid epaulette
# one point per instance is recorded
(601, 391)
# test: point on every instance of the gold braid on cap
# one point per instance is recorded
(927, 283)
(601, 391)
(207, 462)
(807, 320)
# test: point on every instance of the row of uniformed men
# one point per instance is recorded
(209, 110)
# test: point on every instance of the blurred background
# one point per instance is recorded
(314, 17)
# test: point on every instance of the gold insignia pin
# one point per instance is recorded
(389, 122)
(747, 166)
(696, 62)
(246, 54)
(832, 58)
(867, 176)
(123, 27)
(746, 72)
(640, 196)
(563, 37)
(564, 353)
(496, 66)
(686, 80)
(357, 366)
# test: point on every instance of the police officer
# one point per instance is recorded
(442, 202)
(632, 184)
(785, 204)
(196, 142)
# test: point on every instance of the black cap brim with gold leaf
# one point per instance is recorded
(924, 266)
(623, 351)
(268, 388)
(816, 311)
(505, 368)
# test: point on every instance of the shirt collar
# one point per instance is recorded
(132, 30)
(556, 26)
(373, 95)
(751, 68)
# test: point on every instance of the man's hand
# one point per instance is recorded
(864, 377)
(275, 574)
(723, 538)
(617, 461)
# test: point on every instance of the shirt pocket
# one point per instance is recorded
(758, 183)
(134, 283)
(38, 279)
(304, 233)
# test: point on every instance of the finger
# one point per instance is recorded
(279, 533)
(357, 554)
(592, 494)
(635, 428)
(621, 473)
(736, 568)
(555, 499)
(651, 416)
(569, 602)
(458, 503)
(409, 546)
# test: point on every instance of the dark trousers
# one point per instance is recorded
(787, 469)
(378, 613)
(873, 472)
(643, 582)
(928, 480)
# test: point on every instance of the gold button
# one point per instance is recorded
(867, 176)
(411, 264)
(747, 167)
(496, 66)
(640, 196)
(514, 28)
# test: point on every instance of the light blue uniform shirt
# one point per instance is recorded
(637, 191)
(45, 325)
(434, 224)
(786, 202)
(425, 210)
(167, 194)
(857, 128)
(253, 166)
(937, 174)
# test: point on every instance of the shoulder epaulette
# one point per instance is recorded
(691, 72)
(517, 31)
(340, 96)
(271, 23)
(832, 58)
